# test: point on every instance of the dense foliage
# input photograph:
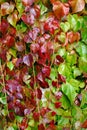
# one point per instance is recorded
(43, 64)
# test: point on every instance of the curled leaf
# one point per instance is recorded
(77, 5)
(7, 8)
(60, 9)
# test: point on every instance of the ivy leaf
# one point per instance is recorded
(21, 27)
(83, 64)
(84, 34)
(3, 100)
(10, 128)
(12, 18)
(65, 102)
(76, 71)
(65, 70)
(69, 91)
(42, 7)
(60, 9)
(77, 113)
(7, 8)
(81, 49)
(65, 26)
(10, 65)
(19, 6)
(63, 121)
(71, 59)
(84, 98)
(19, 118)
(53, 74)
(77, 5)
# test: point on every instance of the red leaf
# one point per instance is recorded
(41, 127)
(43, 111)
(28, 60)
(46, 71)
(84, 125)
(61, 78)
(34, 47)
(8, 40)
(58, 95)
(40, 77)
(39, 93)
(11, 116)
(28, 18)
(53, 113)
(72, 37)
(36, 116)
(4, 26)
(60, 9)
(42, 81)
(58, 104)
(23, 124)
(58, 60)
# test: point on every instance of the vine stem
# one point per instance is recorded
(34, 88)
(3, 83)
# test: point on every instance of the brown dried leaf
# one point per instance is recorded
(77, 5)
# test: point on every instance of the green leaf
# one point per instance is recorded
(65, 26)
(71, 59)
(10, 65)
(65, 102)
(19, 7)
(31, 123)
(13, 52)
(42, 7)
(69, 91)
(3, 100)
(62, 37)
(19, 118)
(12, 18)
(76, 71)
(65, 70)
(84, 34)
(72, 19)
(28, 128)
(81, 49)
(83, 64)
(75, 22)
(77, 113)
(62, 52)
(63, 121)
(10, 128)
(84, 98)
(54, 73)
(21, 27)
(4, 112)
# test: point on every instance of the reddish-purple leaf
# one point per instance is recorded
(57, 104)
(20, 46)
(41, 127)
(61, 78)
(39, 93)
(27, 2)
(46, 71)
(34, 47)
(36, 116)
(8, 40)
(4, 26)
(28, 60)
